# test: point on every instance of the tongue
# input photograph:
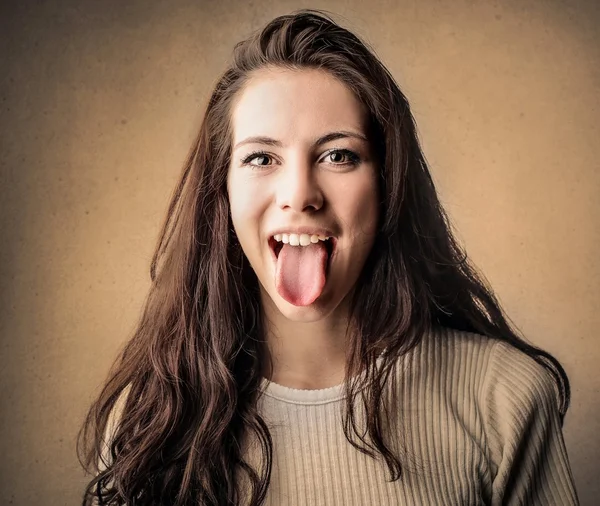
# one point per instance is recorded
(300, 275)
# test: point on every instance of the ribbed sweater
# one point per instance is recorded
(475, 420)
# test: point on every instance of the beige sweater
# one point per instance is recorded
(476, 420)
(476, 423)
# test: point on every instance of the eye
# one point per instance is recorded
(336, 156)
(261, 156)
(343, 157)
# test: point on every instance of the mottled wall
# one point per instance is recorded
(101, 99)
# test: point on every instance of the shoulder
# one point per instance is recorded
(519, 393)
(453, 353)
(452, 342)
(514, 371)
(512, 393)
(489, 372)
(470, 353)
(483, 407)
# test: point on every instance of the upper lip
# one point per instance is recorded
(302, 230)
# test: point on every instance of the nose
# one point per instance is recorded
(298, 189)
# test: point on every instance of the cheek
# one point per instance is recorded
(238, 198)
(364, 208)
(245, 209)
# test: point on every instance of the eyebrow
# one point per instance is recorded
(342, 134)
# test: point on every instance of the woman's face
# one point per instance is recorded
(301, 163)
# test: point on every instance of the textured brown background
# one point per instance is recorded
(101, 99)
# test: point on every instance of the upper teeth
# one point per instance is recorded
(299, 239)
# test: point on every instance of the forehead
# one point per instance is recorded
(292, 105)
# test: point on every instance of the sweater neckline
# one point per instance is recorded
(309, 396)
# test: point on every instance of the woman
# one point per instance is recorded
(314, 334)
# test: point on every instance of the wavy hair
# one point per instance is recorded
(190, 375)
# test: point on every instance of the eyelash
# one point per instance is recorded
(353, 158)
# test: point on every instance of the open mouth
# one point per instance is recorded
(330, 244)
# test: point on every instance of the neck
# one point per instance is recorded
(305, 355)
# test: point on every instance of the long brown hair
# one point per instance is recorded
(192, 369)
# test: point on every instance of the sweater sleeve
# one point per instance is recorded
(529, 460)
